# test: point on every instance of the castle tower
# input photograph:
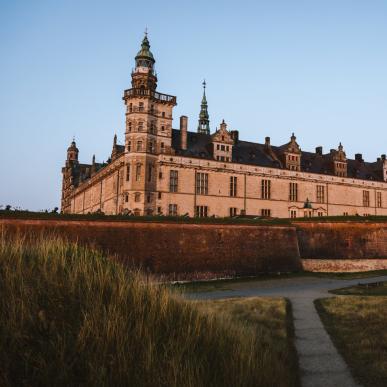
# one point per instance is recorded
(204, 121)
(68, 172)
(148, 133)
(72, 152)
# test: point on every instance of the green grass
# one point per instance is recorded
(361, 290)
(357, 326)
(69, 317)
(24, 214)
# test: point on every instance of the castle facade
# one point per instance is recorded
(167, 171)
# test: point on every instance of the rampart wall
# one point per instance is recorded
(189, 251)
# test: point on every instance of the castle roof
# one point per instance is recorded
(199, 145)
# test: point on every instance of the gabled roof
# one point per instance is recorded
(200, 146)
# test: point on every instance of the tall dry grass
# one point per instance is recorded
(71, 317)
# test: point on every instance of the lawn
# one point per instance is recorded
(375, 289)
(69, 316)
(357, 325)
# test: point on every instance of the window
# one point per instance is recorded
(162, 147)
(293, 192)
(265, 212)
(139, 146)
(320, 213)
(160, 175)
(129, 146)
(233, 211)
(141, 106)
(127, 172)
(227, 148)
(217, 146)
(159, 210)
(293, 214)
(162, 128)
(320, 194)
(265, 189)
(366, 198)
(173, 181)
(233, 185)
(130, 127)
(140, 126)
(150, 147)
(137, 197)
(130, 108)
(148, 198)
(172, 210)
(379, 199)
(126, 198)
(202, 183)
(159, 195)
(345, 213)
(150, 172)
(163, 114)
(138, 172)
(201, 211)
(151, 109)
(222, 148)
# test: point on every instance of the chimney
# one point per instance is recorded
(319, 150)
(359, 157)
(267, 142)
(183, 132)
(235, 136)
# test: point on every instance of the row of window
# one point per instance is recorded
(140, 108)
(140, 127)
(223, 147)
(202, 186)
(140, 147)
(202, 189)
(223, 158)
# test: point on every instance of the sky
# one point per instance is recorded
(315, 68)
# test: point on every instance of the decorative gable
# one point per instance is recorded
(339, 161)
(292, 155)
(222, 143)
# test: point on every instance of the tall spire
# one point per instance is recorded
(144, 57)
(204, 121)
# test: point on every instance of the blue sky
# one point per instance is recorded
(318, 68)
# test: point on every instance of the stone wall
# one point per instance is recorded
(193, 251)
(342, 240)
(181, 251)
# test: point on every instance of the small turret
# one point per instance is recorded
(72, 152)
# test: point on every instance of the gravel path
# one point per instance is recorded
(320, 363)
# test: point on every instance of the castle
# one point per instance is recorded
(166, 171)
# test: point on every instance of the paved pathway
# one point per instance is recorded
(320, 363)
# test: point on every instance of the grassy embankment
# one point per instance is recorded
(24, 214)
(357, 325)
(69, 316)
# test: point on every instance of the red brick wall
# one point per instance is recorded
(184, 250)
(344, 240)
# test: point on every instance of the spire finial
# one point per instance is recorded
(146, 31)
(204, 84)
